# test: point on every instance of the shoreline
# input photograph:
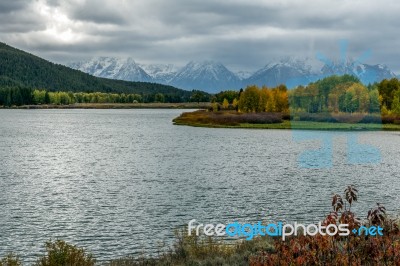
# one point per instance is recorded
(227, 120)
(114, 106)
(302, 125)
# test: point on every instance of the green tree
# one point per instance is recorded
(229, 95)
(250, 100)
(39, 96)
(374, 103)
(396, 105)
(46, 98)
(199, 96)
(387, 89)
(159, 97)
(215, 106)
(17, 97)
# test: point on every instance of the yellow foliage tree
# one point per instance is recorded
(225, 104)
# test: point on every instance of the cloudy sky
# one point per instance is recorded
(242, 34)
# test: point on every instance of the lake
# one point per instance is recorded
(118, 182)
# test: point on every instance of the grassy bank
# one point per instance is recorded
(189, 105)
(232, 119)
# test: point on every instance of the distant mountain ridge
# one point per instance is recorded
(113, 68)
(22, 69)
(366, 73)
(289, 71)
(208, 75)
(161, 73)
(213, 76)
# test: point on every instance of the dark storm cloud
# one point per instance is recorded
(102, 12)
(12, 6)
(247, 14)
(18, 16)
(239, 33)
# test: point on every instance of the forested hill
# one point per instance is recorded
(21, 69)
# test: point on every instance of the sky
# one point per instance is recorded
(242, 34)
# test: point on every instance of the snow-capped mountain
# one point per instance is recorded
(243, 74)
(289, 71)
(113, 68)
(208, 76)
(161, 73)
(213, 77)
(294, 72)
(366, 73)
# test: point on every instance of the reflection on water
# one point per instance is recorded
(119, 182)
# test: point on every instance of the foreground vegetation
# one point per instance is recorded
(355, 249)
(296, 250)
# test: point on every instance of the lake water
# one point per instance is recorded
(118, 182)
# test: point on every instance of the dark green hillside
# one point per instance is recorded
(21, 69)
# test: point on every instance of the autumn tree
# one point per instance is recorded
(235, 103)
(225, 104)
(250, 100)
(396, 104)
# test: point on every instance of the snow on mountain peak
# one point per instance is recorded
(113, 67)
(213, 76)
(207, 75)
(162, 73)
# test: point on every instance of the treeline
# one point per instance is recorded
(17, 96)
(334, 94)
(255, 99)
(65, 98)
(347, 94)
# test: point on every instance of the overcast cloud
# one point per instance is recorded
(242, 34)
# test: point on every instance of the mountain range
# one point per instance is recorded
(212, 77)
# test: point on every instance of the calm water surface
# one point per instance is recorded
(118, 182)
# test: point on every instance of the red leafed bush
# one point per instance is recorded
(339, 250)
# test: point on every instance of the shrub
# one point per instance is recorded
(228, 118)
(390, 119)
(343, 118)
(10, 260)
(339, 250)
(372, 119)
(315, 117)
(60, 253)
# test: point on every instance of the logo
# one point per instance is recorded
(356, 151)
(249, 231)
